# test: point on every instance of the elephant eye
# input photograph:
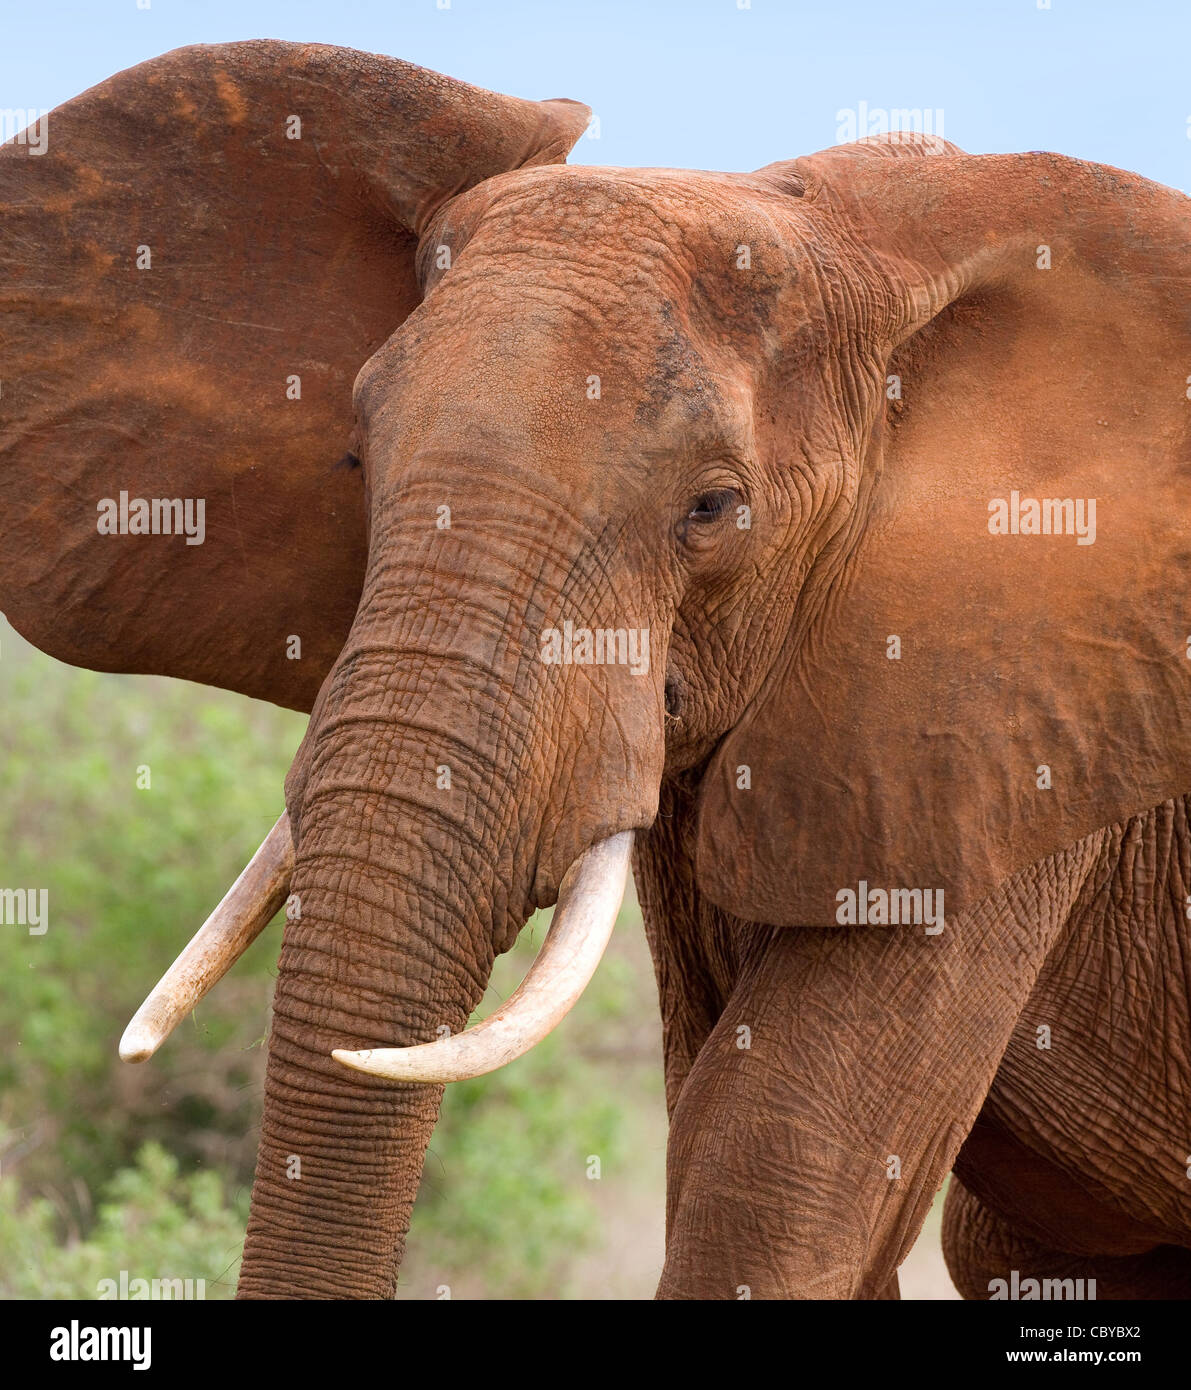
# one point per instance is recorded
(712, 505)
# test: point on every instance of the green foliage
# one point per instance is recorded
(153, 1224)
(130, 874)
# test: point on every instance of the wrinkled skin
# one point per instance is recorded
(867, 1044)
(724, 384)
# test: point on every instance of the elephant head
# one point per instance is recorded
(642, 473)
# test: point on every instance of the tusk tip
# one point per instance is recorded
(394, 1064)
(358, 1060)
(137, 1045)
(588, 899)
(245, 910)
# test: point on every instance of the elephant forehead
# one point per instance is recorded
(495, 352)
(652, 229)
(577, 304)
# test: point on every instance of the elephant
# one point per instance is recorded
(811, 541)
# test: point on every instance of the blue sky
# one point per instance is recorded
(703, 83)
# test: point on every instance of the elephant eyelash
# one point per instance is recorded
(712, 505)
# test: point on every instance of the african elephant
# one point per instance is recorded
(821, 529)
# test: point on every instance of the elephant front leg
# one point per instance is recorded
(825, 1109)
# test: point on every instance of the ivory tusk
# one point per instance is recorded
(588, 901)
(245, 911)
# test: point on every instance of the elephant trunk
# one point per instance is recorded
(384, 947)
(427, 829)
(341, 1153)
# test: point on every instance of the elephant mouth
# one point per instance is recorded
(589, 899)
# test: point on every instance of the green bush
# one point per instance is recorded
(130, 873)
(153, 1223)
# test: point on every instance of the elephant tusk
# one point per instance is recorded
(588, 901)
(245, 911)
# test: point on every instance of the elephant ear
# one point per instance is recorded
(193, 272)
(973, 696)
